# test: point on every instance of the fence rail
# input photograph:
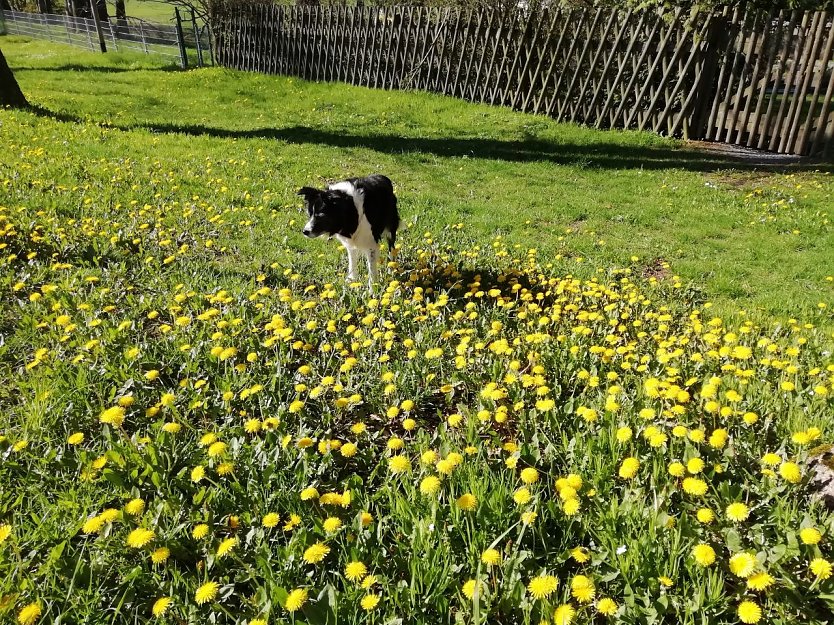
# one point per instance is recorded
(763, 80)
(127, 34)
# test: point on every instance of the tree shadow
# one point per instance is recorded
(597, 155)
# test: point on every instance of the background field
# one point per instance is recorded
(589, 390)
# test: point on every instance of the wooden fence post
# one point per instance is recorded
(181, 39)
(94, 9)
(197, 39)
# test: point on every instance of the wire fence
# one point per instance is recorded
(182, 43)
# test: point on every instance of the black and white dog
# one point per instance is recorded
(359, 212)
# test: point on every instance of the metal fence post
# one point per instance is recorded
(181, 39)
(197, 39)
(3, 30)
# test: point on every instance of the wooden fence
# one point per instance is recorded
(762, 80)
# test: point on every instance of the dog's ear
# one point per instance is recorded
(308, 192)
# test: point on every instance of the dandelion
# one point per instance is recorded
(472, 588)
(810, 535)
(161, 605)
(580, 554)
(760, 581)
(790, 472)
(749, 612)
(743, 565)
(316, 553)
(270, 520)
(522, 496)
(207, 592)
(200, 531)
(607, 606)
(705, 515)
(542, 586)
(140, 537)
(217, 449)
(332, 524)
(75, 439)
(430, 485)
(399, 464)
(737, 512)
(821, 568)
(295, 600)
(198, 473)
(226, 546)
(135, 507)
(491, 557)
(355, 571)
(159, 556)
(467, 502)
(529, 475)
(369, 601)
(704, 554)
(628, 468)
(694, 486)
(564, 614)
(29, 614)
(582, 589)
(114, 416)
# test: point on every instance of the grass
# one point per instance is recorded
(149, 10)
(604, 196)
(580, 381)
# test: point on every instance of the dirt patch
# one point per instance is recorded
(657, 269)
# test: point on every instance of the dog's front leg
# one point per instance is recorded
(353, 274)
(373, 259)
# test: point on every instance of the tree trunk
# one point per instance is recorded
(10, 93)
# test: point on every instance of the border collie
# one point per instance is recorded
(359, 212)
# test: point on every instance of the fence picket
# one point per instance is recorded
(795, 112)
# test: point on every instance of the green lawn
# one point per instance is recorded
(149, 10)
(588, 390)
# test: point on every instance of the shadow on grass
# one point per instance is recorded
(105, 69)
(601, 155)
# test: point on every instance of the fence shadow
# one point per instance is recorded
(106, 69)
(603, 155)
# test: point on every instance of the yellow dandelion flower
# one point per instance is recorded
(207, 592)
(76, 439)
(467, 502)
(542, 586)
(694, 486)
(607, 606)
(582, 589)
(332, 524)
(737, 512)
(790, 472)
(491, 557)
(564, 614)
(369, 601)
(316, 553)
(749, 612)
(472, 588)
(160, 555)
(270, 520)
(226, 546)
(29, 614)
(580, 555)
(114, 416)
(760, 581)
(810, 535)
(399, 464)
(140, 537)
(198, 473)
(295, 600)
(629, 468)
(135, 507)
(92, 525)
(161, 605)
(355, 571)
(200, 531)
(430, 485)
(743, 564)
(705, 515)
(821, 568)
(529, 475)
(704, 554)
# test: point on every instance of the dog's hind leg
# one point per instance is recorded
(392, 251)
(353, 273)
(373, 259)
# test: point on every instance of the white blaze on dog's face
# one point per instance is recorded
(329, 212)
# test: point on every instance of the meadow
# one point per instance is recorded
(586, 391)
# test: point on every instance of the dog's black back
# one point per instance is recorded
(380, 205)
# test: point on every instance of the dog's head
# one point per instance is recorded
(326, 211)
